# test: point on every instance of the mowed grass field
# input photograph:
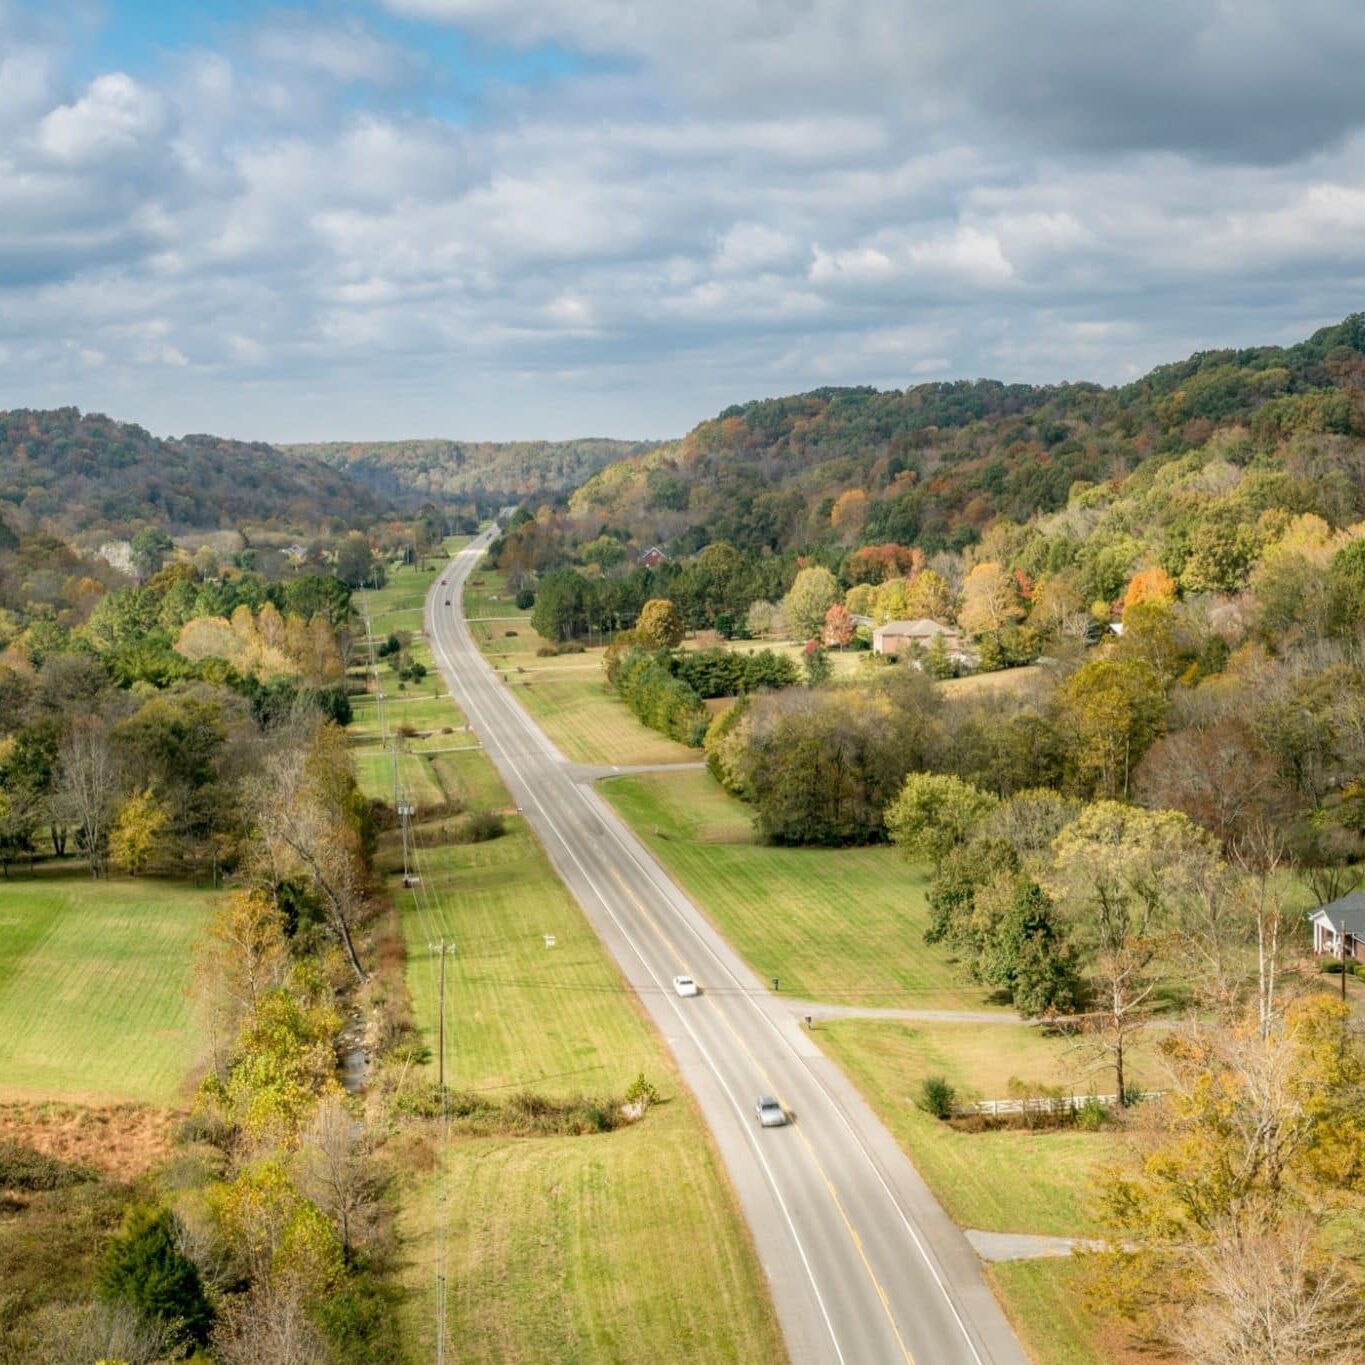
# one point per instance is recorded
(562, 1248)
(92, 987)
(839, 925)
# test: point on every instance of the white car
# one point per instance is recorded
(770, 1113)
(684, 985)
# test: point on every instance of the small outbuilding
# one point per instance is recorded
(1340, 919)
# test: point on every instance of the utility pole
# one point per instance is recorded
(440, 1046)
(407, 808)
(1341, 940)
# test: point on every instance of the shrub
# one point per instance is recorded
(937, 1097)
(479, 826)
(509, 635)
(642, 1092)
(23, 1168)
(144, 1268)
(546, 652)
(526, 599)
(1091, 1115)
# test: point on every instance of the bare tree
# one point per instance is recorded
(87, 787)
(300, 822)
(268, 1325)
(339, 1173)
(89, 1332)
(1269, 1299)
(1259, 853)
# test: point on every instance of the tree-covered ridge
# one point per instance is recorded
(934, 464)
(496, 471)
(73, 473)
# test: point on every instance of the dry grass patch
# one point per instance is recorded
(121, 1140)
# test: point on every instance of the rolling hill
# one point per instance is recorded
(75, 473)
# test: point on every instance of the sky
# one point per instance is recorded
(505, 219)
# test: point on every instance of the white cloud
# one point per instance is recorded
(116, 116)
(769, 197)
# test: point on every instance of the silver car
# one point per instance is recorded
(770, 1113)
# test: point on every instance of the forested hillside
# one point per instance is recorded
(933, 465)
(71, 473)
(493, 471)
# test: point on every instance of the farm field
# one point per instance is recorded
(844, 926)
(92, 987)
(560, 1248)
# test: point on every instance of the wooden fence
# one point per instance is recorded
(1044, 1104)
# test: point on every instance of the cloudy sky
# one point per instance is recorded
(505, 218)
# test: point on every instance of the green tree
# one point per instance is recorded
(355, 560)
(143, 1267)
(813, 593)
(1116, 708)
(934, 812)
(150, 547)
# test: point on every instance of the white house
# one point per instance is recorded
(1343, 917)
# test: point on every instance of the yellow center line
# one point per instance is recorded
(759, 1067)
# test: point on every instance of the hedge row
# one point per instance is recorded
(663, 702)
(727, 673)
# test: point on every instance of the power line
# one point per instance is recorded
(413, 881)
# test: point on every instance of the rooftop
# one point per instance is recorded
(1346, 912)
(921, 627)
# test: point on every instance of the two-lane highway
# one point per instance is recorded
(864, 1265)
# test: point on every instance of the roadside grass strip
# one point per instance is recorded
(844, 926)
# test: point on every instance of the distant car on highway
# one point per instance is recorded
(447, 601)
(770, 1113)
(684, 985)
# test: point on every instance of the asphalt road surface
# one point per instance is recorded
(864, 1265)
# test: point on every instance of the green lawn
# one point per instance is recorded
(589, 723)
(592, 1249)
(564, 1248)
(839, 925)
(92, 987)
(1004, 1181)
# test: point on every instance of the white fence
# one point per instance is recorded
(1044, 1104)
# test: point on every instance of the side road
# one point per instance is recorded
(864, 1265)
